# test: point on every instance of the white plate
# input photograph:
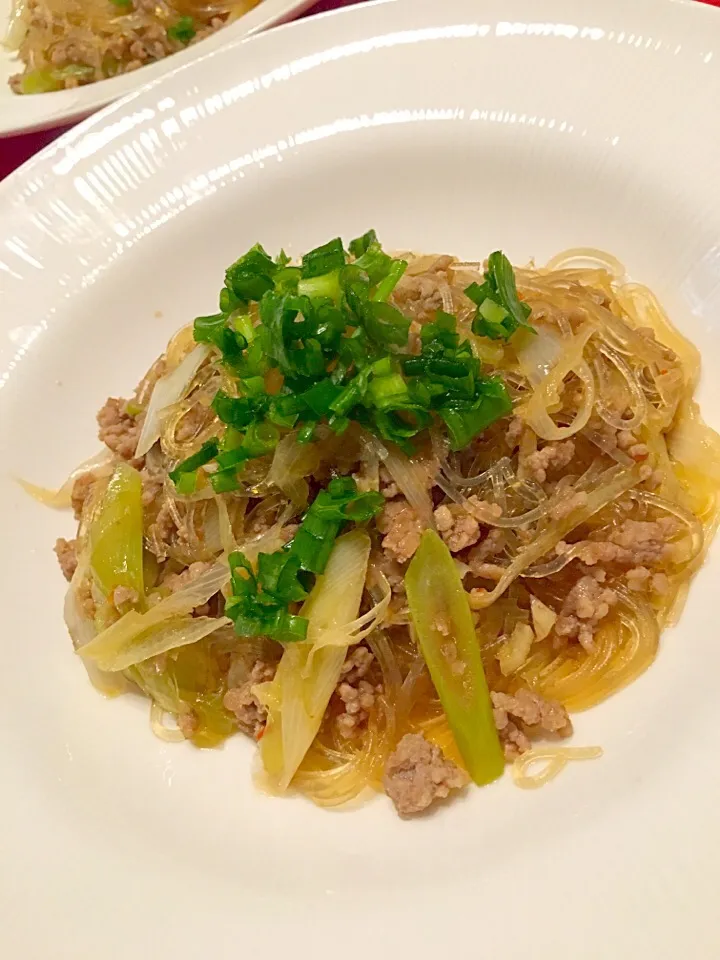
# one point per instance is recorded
(21, 114)
(527, 124)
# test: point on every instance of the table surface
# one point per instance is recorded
(15, 150)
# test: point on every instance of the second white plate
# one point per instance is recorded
(22, 114)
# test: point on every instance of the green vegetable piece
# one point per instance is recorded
(327, 285)
(359, 245)
(388, 393)
(375, 263)
(183, 30)
(330, 256)
(252, 275)
(388, 284)
(259, 603)
(306, 433)
(441, 616)
(207, 452)
(215, 330)
(464, 422)
(385, 324)
(238, 412)
(500, 310)
(287, 279)
(116, 534)
(47, 79)
(186, 483)
(225, 481)
(122, 4)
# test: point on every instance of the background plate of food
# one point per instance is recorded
(62, 59)
(381, 495)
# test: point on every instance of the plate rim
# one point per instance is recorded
(40, 164)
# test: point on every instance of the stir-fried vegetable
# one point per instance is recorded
(443, 624)
(260, 600)
(298, 696)
(342, 354)
(168, 390)
(499, 309)
(116, 534)
(188, 683)
(137, 636)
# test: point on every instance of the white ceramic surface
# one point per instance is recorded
(23, 114)
(463, 126)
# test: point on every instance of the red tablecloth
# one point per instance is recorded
(15, 150)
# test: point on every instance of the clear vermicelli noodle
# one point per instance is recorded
(395, 517)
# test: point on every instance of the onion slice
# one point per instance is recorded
(412, 477)
(132, 628)
(168, 390)
(61, 498)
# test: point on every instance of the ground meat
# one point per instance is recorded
(84, 599)
(188, 723)
(492, 546)
(634, 543)
(176, 581)
(628, 442)
(456, 526)
(251, 715)
(389, 568)
(66, 552)
(388, 487)
(171, 528)
(355, 692)
(82, 488)
(152, 484)
(124, 595)
(162, 532)
(418, 773)
(191, 423)
(525, 714)
(638, 578)
(553, 456)
(488, 571)
(587, 603)
(565, 506)
(118, 430)
(514, 432)
(660, 583)
(401, 528)
(421, 295)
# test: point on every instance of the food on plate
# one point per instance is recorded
(68, 43)
(394, 517)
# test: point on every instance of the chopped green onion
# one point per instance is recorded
(388, 284)
(207, 452)
(330, 256)
(186, 483)
(500, 310)
(327, 285)
(259, 602)
(225, 481)
(252, 275)
(360, 245)
(183, 30)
